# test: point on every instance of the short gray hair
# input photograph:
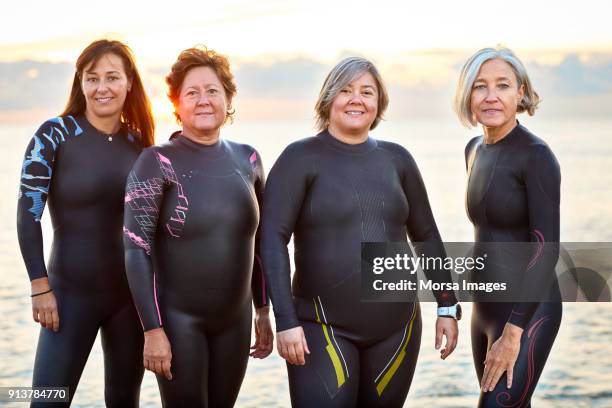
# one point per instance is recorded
(340, 76)
(469, 72)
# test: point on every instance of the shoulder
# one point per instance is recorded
(58, 129)
(398, 153)
(469, 147)
(536, 147)
(301, 149)
(243, 150)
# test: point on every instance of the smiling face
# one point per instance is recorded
(355, 107)
(495, 96)
(105, 85)
(202, 104)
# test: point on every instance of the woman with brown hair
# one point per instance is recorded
(79, 161)
(192, 209)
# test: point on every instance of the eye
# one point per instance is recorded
(113, 78)
(503, 86)
(213, 91)
(345, 91)
(368, 92)
(191, 93)
(479, 86)
(92, 80)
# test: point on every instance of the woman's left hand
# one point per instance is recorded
(501, 357)
(446, 327)
(264, 337)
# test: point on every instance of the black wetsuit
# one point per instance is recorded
(83, 175)
(191, 217)
(513, 196)
(331, 197)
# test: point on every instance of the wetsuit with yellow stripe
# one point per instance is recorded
(331, 197)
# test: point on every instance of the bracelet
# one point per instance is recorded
(41, 293)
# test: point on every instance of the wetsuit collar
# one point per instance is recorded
(361, 148)
(88, 127)
(506, 139)
(213, 151)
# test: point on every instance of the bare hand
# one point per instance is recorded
(501, 357)
(291, 345)
(44, 307)
(446, 327)
(157, 355)
(264, 338)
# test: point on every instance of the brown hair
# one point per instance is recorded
(136, 113)
(200, 56)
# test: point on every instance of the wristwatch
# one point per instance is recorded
(450, 311)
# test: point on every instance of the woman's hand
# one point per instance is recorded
(501, 357)
(446, 326)
(264, 338)
(44, 306)
(291, 345)
(157, 355)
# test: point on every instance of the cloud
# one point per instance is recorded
(420, 85)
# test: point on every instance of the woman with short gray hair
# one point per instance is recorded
(333, 192)
(512, 198)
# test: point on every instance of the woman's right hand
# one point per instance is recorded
(157, 355)
(291, 345)
(44, 307)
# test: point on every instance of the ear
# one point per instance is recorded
(521, 93)
(129, 85)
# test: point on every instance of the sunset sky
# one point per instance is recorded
(281, 50)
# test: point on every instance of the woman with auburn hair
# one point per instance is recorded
(512, 198)
(79, 161)
(333, 192)
(191, 234)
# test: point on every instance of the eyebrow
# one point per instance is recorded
(497, 79)
(95, 73)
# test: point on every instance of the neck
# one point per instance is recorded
(355, 137)
(493, 135)
(108, 125)
(205, 138)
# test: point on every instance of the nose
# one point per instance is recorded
(102, 86)
(203, 100)
(491, 95)
(355, 98)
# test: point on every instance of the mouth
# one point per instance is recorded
(491, 111)
(354, 113)
(105, 99)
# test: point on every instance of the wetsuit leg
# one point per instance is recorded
(122, 342)
(190, 361)
(61, 356)
(330, 377)
(388, 366)
(229, 356)
(536, 343)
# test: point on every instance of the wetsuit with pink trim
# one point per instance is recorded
(82, 174)
(332, 196)
(191, 249)
(513, 196)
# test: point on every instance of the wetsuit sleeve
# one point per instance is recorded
(36, 173)
(285, 191)
(258, 280)
(542, 178)
(143, 198)
(422, 229)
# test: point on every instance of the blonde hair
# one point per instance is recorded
(340, 76)
(461, 103)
